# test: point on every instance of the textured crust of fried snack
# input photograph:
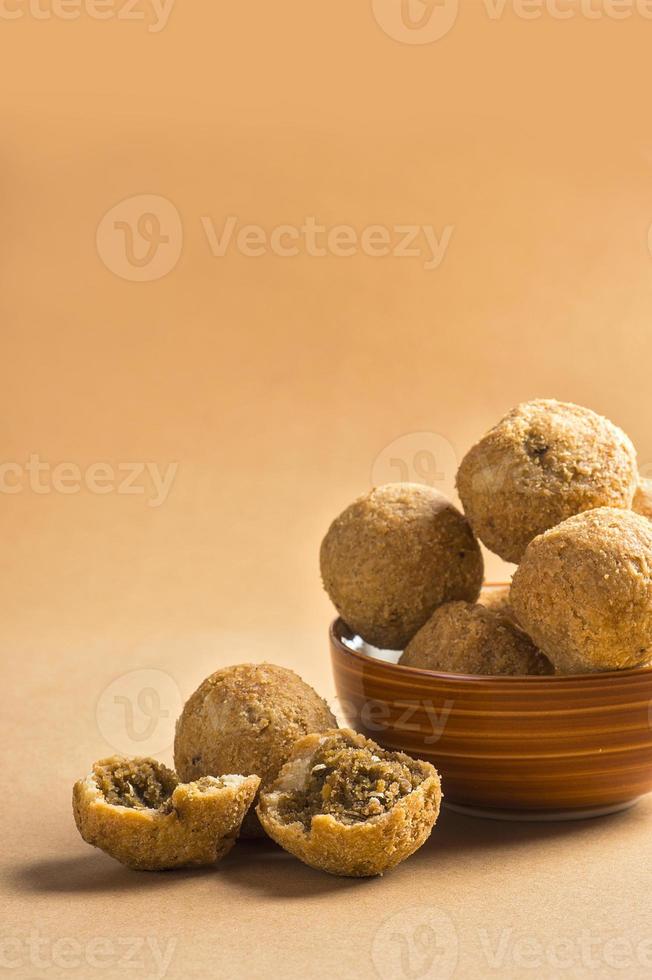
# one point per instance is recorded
(583, 592)
(321, 807)
(393, 556)
(461, 638)
(138, 812)
(246, 719)
(643, 499)
(543, 462)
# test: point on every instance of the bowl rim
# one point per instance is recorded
(338, 627)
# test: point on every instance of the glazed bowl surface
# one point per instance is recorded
(513, 747)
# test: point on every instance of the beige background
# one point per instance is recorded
(279, 387)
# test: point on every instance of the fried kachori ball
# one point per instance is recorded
(462, 638)
(393, 556)
(543, 462)
(344, 805)
(246, 719)
(139, 812)
(583, 591)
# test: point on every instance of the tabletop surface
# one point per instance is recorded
(481, 898)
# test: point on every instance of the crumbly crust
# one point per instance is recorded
(544, 462)
(393, 556)
(137, 811)
(583, 591)
(461, 638)
(246, 719)
(341, 839)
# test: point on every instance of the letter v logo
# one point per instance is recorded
(416, 21)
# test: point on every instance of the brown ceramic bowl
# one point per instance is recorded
(559, 747)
